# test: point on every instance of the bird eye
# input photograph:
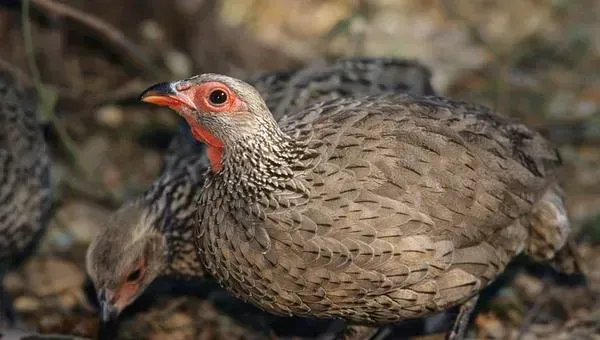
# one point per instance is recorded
(135, 275)
(217, 97)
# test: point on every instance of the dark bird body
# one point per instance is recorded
(371, 209)
(153, 235)
(25, 195)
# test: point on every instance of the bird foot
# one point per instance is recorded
(568, 260)
(8, 316)
(356, 332)
(459, 328)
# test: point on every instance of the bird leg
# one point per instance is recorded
(7, 313)
(462, 319)
(357, 332)
(108, 329)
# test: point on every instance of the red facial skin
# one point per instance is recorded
(195, 97)
(127, 292)
(125, 295)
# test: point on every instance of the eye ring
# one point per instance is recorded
(134, 275)
(217, 97)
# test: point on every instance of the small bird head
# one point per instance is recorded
(124, 258)
(220, 110)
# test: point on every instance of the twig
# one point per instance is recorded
(579, 262)
(47, 97)
(540, 301)
(16, 72)
(108, 32)
(129, 90)
(91, 190)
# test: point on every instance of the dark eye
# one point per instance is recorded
(135, 275)
(217, 97)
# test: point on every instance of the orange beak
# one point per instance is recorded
(165, 94)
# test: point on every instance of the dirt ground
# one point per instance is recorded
(538, 60)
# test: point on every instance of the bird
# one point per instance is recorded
(152, 236)
(25, 185)
(374, 209)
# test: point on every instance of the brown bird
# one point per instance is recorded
(25, 195)
(373, 209)
(152, 236)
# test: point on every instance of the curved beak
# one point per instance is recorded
(166, 94)
(109, 317)
(109, 311)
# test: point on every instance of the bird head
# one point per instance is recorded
(220, 110)
(124, 258)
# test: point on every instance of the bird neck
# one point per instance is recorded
(259, 162)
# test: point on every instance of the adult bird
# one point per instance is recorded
(25, 189)
(152, 236)
(371, 209)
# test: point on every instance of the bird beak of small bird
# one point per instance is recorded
(109, 318)
(166, 94)
(110, 312)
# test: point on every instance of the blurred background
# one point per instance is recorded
(538, 60)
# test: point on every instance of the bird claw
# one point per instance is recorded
(356, 332)
(459, 328)
(8, 317)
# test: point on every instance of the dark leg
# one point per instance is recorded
(462, 319)
(538, 304)
(335, 328)
(108, 330)
(355, 332)
(437, 323)
(7, 313)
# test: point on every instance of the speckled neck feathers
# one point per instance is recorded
(260, 163)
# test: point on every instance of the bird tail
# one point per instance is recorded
(549, 230)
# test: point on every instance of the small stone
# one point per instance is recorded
(168, 325)
(529, 286)
(86, 326)
(152, 31)
(84, 219)
(68, 301)
(51, 276)
(110, 115)
(179, 320)
(13, 283)
(489, 327)
(51, 323)
(178, 63)
(178, 326)
(26, 304)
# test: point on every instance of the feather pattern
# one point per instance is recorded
(372, 209)
(25, 189)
